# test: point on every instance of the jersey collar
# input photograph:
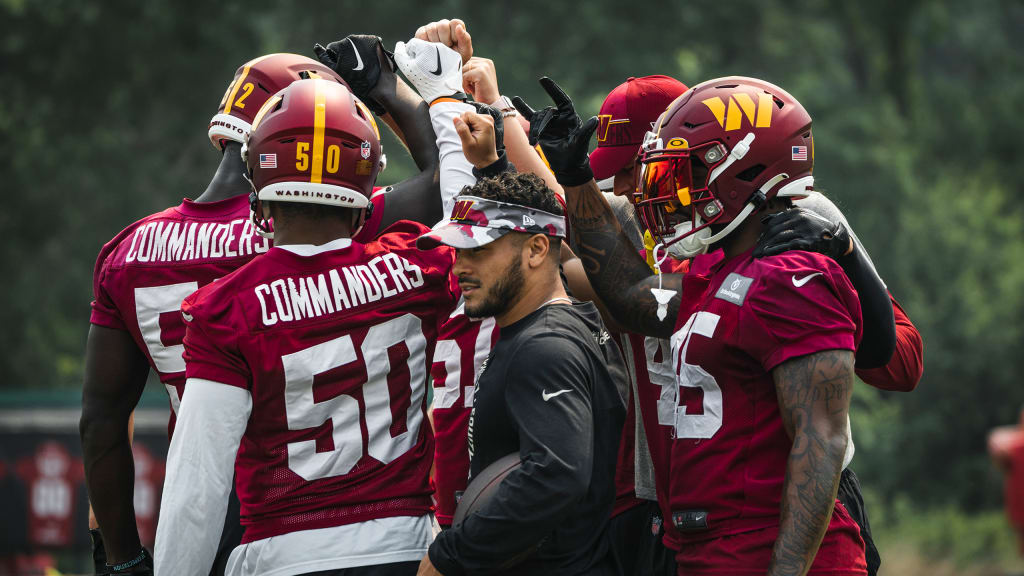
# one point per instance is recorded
(313, 250)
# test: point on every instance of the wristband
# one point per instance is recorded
(495, 168)
(575, 177)
(457, 97)
(143, 555)
(504, 105)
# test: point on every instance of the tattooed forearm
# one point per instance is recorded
(814, 399)
(616, 271)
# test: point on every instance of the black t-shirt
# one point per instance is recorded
(547, 391)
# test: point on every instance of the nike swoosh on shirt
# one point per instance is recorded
(359, 59)
(544, 394)
(804, 280)
(438, 71)
(187, 316)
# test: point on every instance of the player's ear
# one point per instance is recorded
(537, 247)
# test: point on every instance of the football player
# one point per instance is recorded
(637, 527)
(626, 114)
(309, 364)
(764, 345)
(141, 277)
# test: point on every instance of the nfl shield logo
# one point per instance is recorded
(364, 150)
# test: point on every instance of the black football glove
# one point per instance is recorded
(802, 229)
(563, 138)
(499, 124)
(99, 553)
(354, 58)
(141, 565)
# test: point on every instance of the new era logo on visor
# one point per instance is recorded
(527, 221)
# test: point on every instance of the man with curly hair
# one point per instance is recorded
(547, 391)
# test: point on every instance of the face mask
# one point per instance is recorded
(690, 246)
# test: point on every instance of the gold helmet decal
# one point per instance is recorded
(740, 106)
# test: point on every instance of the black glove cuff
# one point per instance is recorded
(142, 557)
(99, 552)
(577, 177)
(496, 168)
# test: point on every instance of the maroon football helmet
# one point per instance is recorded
(716, 155)
(313, 142)
(254, 83)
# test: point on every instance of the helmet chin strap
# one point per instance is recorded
(752, 205)
(257, 219)
(737, 153)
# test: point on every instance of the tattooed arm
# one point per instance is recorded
(814, 400)
(618, 274)
(620, 277)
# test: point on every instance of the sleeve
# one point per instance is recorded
(798, 305)
(200, 467)
(104, 311)
(435, 263)
(456, 171)
(550, 403)
(904, 371)
(879, 341)
(211, 350)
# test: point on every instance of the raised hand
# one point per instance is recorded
(563, 138)
(357, 59)
(478, 135)
(480, 80)
(452, 33)
(435, 70)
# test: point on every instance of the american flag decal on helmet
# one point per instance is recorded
(799, 153)
(268, 160)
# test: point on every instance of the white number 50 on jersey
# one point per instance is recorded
(305, 412)
(692, 376)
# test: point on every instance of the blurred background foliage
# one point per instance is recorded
(918, 115)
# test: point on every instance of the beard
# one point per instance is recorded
(502, 295)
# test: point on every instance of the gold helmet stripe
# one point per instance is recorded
(319, 123)
(240, 81)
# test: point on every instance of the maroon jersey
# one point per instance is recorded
(144, 273)
(650, 364)
(625, 463)
(333, 344)
(730, 449)
(462, 346)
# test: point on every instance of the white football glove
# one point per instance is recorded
(434, 69)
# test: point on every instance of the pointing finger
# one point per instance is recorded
(523, 108)
(558, 95)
